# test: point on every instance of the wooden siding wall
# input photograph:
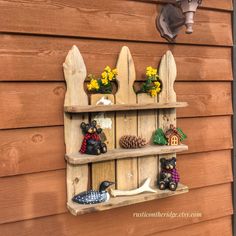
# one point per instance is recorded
(34, 40)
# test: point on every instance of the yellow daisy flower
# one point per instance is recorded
(104, 81)
(114, 71)
(89, 86)
(108, 69)
(157, 84)
(104, 75)
(94, 84)
(110, 76)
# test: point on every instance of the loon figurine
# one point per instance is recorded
(92, 196)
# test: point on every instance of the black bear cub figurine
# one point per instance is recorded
(169, 177)
(92, 142)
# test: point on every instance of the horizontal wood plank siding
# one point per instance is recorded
(41, 104)
(108, 19)
(19, 53)
(34, 41)
(66, 224)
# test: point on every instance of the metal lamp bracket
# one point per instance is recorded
(172, 18)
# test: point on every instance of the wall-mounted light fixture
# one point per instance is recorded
(172, 18)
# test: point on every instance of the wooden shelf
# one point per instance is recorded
(123, 107)
(120, 153)
(78, 209)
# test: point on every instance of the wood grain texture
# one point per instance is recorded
(92, 19)
(30, 196)
(123, 154)
(66, 224)
(46, 100)
(27, 150)
(41, 99)
(212, 4)
(204, 98)
(217, 227)
(122, 201)
(201, 165)
(20, 53)
(147, 124)
(205, 129)
(126, 122)
(19, 153)
(105, 170)
(124, 107)
(77, 177)
(167, 74)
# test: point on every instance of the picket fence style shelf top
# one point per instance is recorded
(123, 107)
(77, 209)
(120, 153)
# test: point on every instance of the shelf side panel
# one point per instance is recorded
(75, 74)
(126, 121)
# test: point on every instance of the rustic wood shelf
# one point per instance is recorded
(77, 209)
(120, 153)
(123, 107)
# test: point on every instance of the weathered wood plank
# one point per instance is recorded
(105, 170)
(76, 209)
(167, 74)
(217, 227)
(75, 72)
(92, 19)
(19, 53)
(148, 166)
(36, 201)
(26, 150)
(124, 107)
(126, 121)
(121, 153)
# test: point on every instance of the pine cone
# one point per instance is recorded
(131, 141)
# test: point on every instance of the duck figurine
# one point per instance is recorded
(92, 196)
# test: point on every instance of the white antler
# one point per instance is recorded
(144, 188)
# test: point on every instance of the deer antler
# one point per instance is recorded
(144, 188)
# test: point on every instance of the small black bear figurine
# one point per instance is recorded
(92, 143)
(169, 177)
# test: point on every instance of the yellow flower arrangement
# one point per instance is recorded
(152, 85)
(103, 84)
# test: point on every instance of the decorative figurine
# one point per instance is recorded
(131, 141)
(169, 177)
(152, 85)
(103, 84)
(144, 188)
(172, 137)
(104, 101)
(92, 143)
(159, 137)
(92, 196)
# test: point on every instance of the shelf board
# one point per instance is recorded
(78, 209)
(123, 107)
(120, 153)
